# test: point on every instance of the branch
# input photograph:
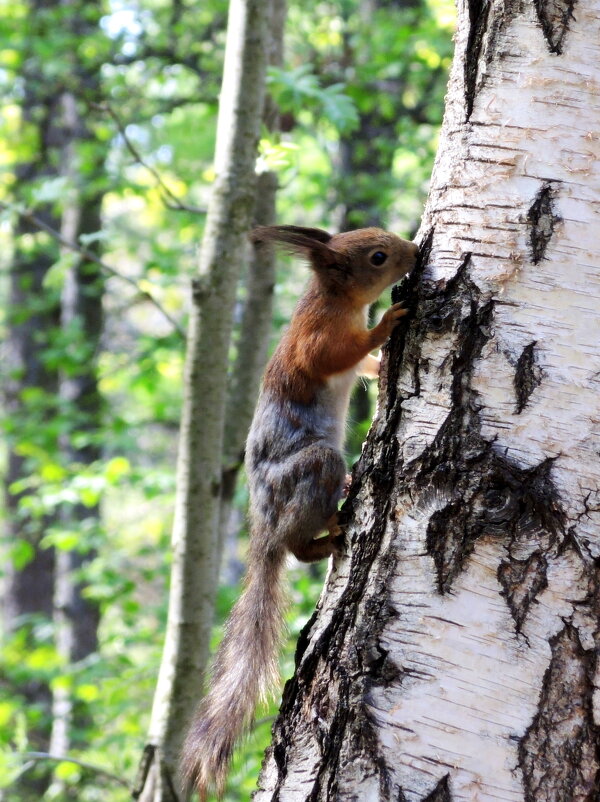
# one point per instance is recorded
(36, 757)
(175, 203)
(166, 54)
(169, 54)
(91, 257)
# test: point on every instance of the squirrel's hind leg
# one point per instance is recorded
(321, 547)
(313, 507)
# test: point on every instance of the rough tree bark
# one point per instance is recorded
(195, 529)
(454, 655)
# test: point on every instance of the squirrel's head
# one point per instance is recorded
(360, 264)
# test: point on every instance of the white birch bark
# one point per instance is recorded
(195, 529)
(455, 652)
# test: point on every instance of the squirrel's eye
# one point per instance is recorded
(378, 258)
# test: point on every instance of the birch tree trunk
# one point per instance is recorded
(454, 655)
(195, 529)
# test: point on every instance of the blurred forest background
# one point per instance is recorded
(107, 134)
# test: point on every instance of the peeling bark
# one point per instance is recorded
(453, 655)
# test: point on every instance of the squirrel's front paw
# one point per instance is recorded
(392, 316)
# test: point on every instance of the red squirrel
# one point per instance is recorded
(295, 466)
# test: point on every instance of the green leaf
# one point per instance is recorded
(69, 772)
(116, 468)
(95, 236)
(10, 767)
(21, 553)
(56, 275)
(62, 540)
(50, 190)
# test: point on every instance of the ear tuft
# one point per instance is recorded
(299, 238)
(308, 242)
(312, 243)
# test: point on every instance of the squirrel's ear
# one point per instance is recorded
(300, 239)
(309, 242)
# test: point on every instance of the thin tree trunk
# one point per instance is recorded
(455, 652)
(29, 393)
(255, 326)
(76, 618)
(195, 530)
(252, 349)
(28, 587)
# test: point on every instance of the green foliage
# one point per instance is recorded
(96, 476)
(300, 88)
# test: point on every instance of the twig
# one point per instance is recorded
(91, 257)
(175, 203)
(36, 757)
(265, 720)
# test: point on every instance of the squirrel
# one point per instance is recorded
(295, 467)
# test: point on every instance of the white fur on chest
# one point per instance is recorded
(336, 395)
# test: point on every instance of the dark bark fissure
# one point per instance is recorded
(535, 514)
(441, 793)
(348, 725)
(554, 17)
(542, 220)
(481, 490)
(528, 376)
(522, 581)
(479, 12)
(564, 725)
(487, 19)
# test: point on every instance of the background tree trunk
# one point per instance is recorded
(255, 327)
(454, 652)
(195, 529)
(28, 396)
(77, 618)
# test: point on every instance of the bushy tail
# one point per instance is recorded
(245, 670)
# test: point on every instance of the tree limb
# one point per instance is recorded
(36, 757)
(91, 257)
(175, 203)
